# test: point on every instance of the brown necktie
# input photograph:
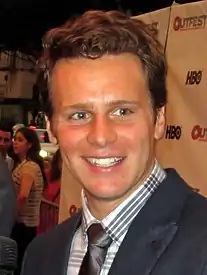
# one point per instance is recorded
(98, 243)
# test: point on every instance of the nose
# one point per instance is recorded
(102, 132)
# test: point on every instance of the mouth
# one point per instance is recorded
(104, 162)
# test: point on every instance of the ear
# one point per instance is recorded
(160, 124)
(52, 138)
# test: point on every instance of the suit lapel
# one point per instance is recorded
(153, 228)
(62, 245)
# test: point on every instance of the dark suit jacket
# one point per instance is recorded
(168, 237)
(8, 208)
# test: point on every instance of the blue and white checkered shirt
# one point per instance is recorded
(116, 224)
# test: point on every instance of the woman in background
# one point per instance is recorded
(52, 193)
(29, 179)
(49, 215)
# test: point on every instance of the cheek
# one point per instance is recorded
(21, 147)
(25, 147)
(134, 135)
(68, 138)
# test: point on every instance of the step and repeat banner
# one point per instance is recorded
(182, 29)
(70, 199)
(159, 20)
(185, 143)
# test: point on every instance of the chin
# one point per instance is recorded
(105, 194)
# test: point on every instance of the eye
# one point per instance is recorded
(80, 116)
(122, 112)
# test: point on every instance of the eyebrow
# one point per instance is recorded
(112, 103)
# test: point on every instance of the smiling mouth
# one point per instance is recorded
(105, 162)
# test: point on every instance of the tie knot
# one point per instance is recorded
(97, 236)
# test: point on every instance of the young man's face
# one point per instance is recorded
(104, 123)
(5, 141)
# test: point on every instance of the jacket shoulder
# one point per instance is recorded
(50, 246)
(57, 233)
(196, 209)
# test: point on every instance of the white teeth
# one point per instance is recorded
(104, 162)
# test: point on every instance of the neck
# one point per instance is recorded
(22, 158)
(101, 208)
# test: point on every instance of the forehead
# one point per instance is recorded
(102, 77)
(5, 134)
(19, 135)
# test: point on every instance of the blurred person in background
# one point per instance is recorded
(6, 135)
(29, 179)
(7, 200)
(54, 172)
(51, 194)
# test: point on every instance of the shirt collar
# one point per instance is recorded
(149, 185)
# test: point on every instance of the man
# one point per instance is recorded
(7, 192)
(6, 135)
(7, 200)
(107, 81)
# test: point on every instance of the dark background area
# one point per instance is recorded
(23, 22)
